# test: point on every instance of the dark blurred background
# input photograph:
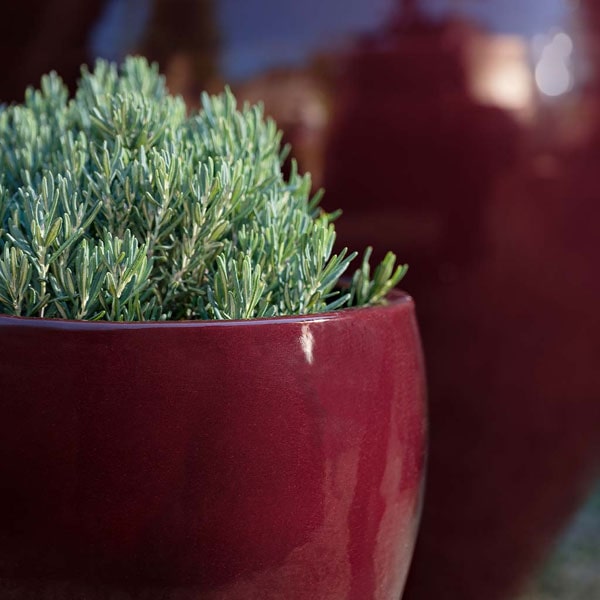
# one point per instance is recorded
(464, 136)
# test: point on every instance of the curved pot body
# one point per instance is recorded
(263, 459)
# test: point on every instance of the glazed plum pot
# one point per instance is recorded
(279, 458)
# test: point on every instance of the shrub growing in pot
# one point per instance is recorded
(192, 404)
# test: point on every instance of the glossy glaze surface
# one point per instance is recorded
(259, 459)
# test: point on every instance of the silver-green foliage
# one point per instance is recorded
(117, 205)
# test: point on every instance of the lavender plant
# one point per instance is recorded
(117, 205)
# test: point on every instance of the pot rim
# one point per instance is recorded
(395, 298)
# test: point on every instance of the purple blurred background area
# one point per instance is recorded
(464, 136)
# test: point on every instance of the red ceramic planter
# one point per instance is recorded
(263, 459)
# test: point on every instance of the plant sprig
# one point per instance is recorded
(117, 205)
